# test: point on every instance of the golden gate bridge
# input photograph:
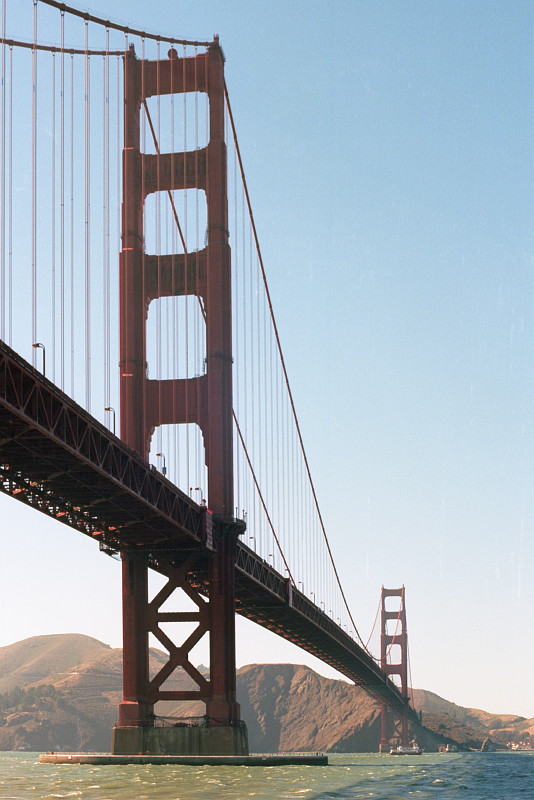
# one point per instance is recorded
(144, 398)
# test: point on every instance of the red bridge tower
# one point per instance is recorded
(398, 637)
(205, 400)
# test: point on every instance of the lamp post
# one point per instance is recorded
(35, 345)
(112, 410)
(164, 467)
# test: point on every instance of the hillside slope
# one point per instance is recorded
(63, 693)
(470, 726)
(41, 657)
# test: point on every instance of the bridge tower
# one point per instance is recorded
(204, 400)
(398, 637)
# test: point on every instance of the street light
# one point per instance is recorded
(112, 410)
(164, 468)
(35, 346)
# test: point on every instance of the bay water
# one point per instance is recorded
(469, 776)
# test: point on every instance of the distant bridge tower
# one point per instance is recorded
(205, 400)
(388, 640)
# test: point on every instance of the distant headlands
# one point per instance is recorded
(62, 692)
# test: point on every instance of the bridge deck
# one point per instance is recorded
(57, 458)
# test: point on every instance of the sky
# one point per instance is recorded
(388, 150)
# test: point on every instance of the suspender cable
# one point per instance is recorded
(72, 377)
(157, 238)
(10, 216)
(186, 289)
(34, 185)
(53, 210)
(87, 221)
(174, 349)
(118, 180)
(62, 205)
(245, 338)
(196, 321)
(268, 411)
(105, 224)
(3, 196)
(143, 194)
(237, 372)
(167, 329)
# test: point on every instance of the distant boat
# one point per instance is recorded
(412, 749)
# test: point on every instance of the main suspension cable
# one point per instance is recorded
(118, 27)
(374, 623)
(286, 379)
(262, 499)
(52, 48)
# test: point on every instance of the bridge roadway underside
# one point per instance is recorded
(57, 458)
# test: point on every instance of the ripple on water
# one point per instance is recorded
(349, 777)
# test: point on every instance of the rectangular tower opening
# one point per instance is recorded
(180, 122)
(179, 449)
(161, 229)
(181, 354)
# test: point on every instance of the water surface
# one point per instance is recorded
(469, 776)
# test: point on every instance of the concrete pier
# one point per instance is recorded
(254, 760)
(180, 740)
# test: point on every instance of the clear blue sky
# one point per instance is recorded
(388, 148)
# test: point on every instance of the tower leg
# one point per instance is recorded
(383, 748)
(404, 728)
(135, 707)
(222, 707)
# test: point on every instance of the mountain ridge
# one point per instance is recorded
(61, 692)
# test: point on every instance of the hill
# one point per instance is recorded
(62, 692)
(470, 726)
(41, 657)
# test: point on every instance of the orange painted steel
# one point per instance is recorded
(205, 400)
(400, 638)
